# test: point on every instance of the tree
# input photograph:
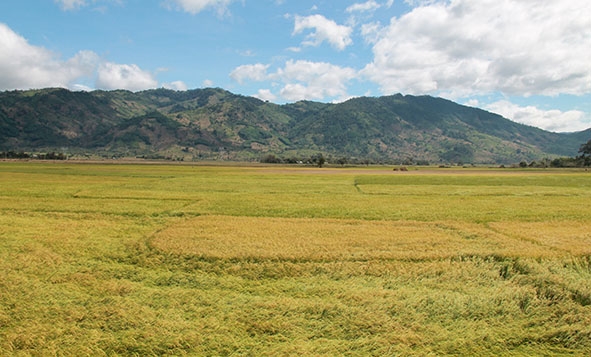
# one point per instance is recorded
(585, 148)
(270, 159)
(318, 159)
(342, 161)
(321, 160)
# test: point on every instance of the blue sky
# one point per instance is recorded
(528, 60)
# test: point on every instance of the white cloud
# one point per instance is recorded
(123, 76)
(338, 36)
(552, 120)
(360, 12)
(196, 6)
(23, 66)
(300, 79)
(371, 32)
(207, 83)
(296, 91)
(370, 5)
(255, 72)
(265, 94)
(176, 85)
(80, 88)
(313, 80)
(466, 47)
(472, 103)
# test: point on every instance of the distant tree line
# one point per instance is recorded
(316, 160)
(583, 160)
(41, 156)
(320, 160)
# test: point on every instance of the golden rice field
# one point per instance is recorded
(141, 260)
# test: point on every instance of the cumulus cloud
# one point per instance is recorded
(23, 66)
(323, 29)
(255, 72)
(551, 120)
(463, 47)
(265, 94)
(176, 85)
(300, 80)
(313, 80)
(196, 6)
(124, 76)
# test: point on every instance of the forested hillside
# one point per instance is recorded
(216, 124)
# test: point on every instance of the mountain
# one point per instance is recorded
(214, 123)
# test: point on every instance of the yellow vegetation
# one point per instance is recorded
(229, 237)
(212, 260)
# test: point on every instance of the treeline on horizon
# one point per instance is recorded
(319, 159)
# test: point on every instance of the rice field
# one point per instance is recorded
(138, 260)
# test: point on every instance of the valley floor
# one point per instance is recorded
(127, 259)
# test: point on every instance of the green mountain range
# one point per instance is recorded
(216, 124)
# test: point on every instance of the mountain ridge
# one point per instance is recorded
(215, 123)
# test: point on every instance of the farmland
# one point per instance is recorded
(122, 259)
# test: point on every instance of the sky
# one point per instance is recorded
(528, 60)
